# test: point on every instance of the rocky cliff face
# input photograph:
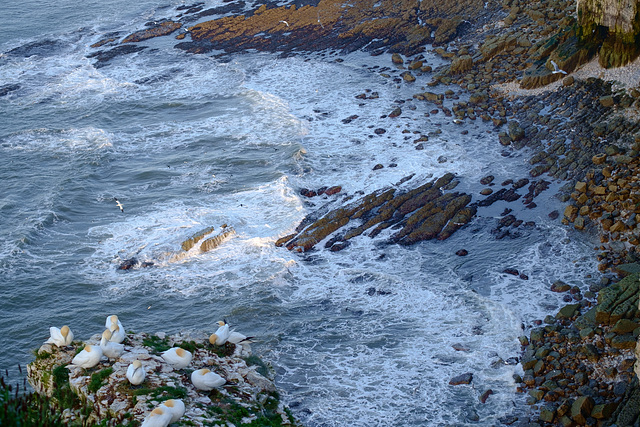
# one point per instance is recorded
(614, 25)
(103, 395)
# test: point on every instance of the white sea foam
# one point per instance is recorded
(54, 140)
(361, 337)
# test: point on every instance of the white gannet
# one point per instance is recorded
(204, 379)
(557, 70)
(159, 417)
(60, 337)
(119, 205)
(117, 335)
(177, 357)
(175, 407)
(111, 349)
(135, 373)
(238, 338)
(88, 357)
(112, 321)
(221, 335)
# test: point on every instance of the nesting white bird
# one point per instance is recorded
(113, 321)
(136, 373)
(175, 407)
(556, 69)
(204, 379)
(159, 417)
(109, 348)
(114, 325)
(89, 357)
(238, 338)
(177, 357)
(60, 337)
(221, 335)
(117, 335)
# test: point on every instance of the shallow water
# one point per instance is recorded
(360, 337)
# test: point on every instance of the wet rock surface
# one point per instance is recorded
(422, 213)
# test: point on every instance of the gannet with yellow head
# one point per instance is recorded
(89, 357)
(221, 335)
(159, 417)
(175, 407)
(177, 357)
(117, 334)
(113, 323)
(204, 379)
(60, 337)
(136, 373)
(109, 348)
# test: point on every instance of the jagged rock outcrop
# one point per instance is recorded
(423, 213)
(102, 395)
(614, 25)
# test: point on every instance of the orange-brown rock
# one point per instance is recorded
(425, 212)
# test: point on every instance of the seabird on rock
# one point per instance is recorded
(221, 335)
(60, 337)
(177, 357)
(159, 417)
(136, 373)
(112, 321)
(117, 335)
(111, 349)
(114, 325)
(119, 205)
(557, 70)
(238, 338)
(175, 408)
(204, 379)
(89, 357)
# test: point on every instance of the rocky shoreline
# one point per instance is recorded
(579, 363)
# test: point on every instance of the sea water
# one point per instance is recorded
(367, 336)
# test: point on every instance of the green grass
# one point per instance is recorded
(228, 410)
(162, 393)
(98, 379)
(25, 409)
(254, 360)
(41, 355)
(156, 343)
(223, 350)
(190, 346)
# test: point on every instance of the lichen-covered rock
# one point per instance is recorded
(103, 394)
(461, 64)
(325, 24)
(618, 301)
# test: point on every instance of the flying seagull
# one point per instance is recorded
(285, 23)
(557, 70)
(119, 204)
